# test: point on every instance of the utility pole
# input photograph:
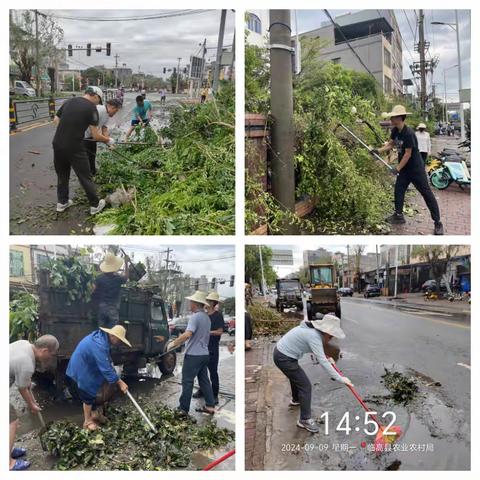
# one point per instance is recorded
(37, 57)
(261, 268)
(423, 74)
(204, 52)
(178, 74)
(116, 70)
(221, 33)
(283, 170)
(348, 265)
(233, 57)
(460, 82)
(396, 270)
(376, 257)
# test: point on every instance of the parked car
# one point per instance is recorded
(23, 89)
(372, 291)
(345, 292)
(432, 286)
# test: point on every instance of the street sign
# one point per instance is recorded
(282, 257)
(196, 67)
(227, 58)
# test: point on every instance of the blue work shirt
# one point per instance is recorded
(199, 324)
(91, 365)
(141, 111)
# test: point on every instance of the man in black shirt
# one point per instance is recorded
(107, 289)
(72, 119)
(216, 330)
(410, 168)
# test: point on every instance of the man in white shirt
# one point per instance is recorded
(105, 112)
(424, 142)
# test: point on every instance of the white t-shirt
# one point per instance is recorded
(424, 143)
(22, 363)
(102, 119)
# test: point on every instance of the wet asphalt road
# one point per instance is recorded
(425, 347)
(148, 386)
(33, 179)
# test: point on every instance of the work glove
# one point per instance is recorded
(393, 171)
(170, 346)
(111, 141)
(347, 381)
(331, 360)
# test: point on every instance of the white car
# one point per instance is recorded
(23, 88)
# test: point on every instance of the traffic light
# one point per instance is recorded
(70, 50)
(212, 284)
(164, 69)
(232, 280)
(89, 49)
(185, 70)
(109, 49)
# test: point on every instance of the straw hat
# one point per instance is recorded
(117, 331)
(111, 263)
(329, 324)
(213, 296)
(198, 297)
(421, 125)
(397, 111)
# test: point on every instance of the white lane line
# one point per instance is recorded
(464, 365)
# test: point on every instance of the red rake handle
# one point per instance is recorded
(358, 397)
(219, 460)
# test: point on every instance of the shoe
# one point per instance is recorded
(215, 399)
(396, 219)
(61, 207)
(293, 403)
(18, 452)
(308, 424)
(20, 465)
(438, 230)
(99, 208)
(198, 394)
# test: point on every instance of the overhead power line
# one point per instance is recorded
(156, 16)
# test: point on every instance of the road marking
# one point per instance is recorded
(464, 365)
(30, 127)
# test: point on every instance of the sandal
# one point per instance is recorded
(99, 417)
(18, 452)
(20, 465)
(91, 425)
(205, 409)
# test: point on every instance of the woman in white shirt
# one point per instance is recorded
(424, 142)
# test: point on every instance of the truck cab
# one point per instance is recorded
(324, 296)
(289, 294)
(142, 313)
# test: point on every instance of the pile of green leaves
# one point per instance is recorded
(186, 187)
(352, 191)
(23, 317)
(403, 389)
(127, 443)
(266, 321)
(73, 275)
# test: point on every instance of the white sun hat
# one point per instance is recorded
(198, 297)
(421, 125)
(111, 263)
(329, 324)
(214, 296)
(397, 111)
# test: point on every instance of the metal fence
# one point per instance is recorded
(26, 111)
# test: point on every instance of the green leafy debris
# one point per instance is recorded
(403, 389)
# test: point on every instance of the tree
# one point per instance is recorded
(23, 41)
(437, 256)
(229, 306)
(253, 272)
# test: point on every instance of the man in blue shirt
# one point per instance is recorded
(141, 114)
(197, 356)
(91, 366)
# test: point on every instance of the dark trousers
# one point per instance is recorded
(76, 159)
(299, 382)
(91, 148)
(195, 366)
(213, 370)
(420, 182)
(424, 156)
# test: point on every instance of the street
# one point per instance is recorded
(431, 347)
(149, 386)
(33, 179)
(454, 203)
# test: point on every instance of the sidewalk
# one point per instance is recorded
(454, 204)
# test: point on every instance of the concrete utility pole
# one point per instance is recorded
(37, 57)
(376, 257)
(283, 170)
(178, 74)
(348, 265)
(221, 34)
(396, 270)
(261, 268)
(116, 70)
(460, 81)
(423, 73)
(233, 57)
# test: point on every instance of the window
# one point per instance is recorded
(16, 264)
(387, 84)
(387, 57)
(336, 60)
(254, 24)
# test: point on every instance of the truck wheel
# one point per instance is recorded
(167, 363)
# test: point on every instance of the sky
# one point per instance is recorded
(442, 40)
(211, 260)
(149, 44)
(298, 250)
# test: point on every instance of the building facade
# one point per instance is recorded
(256, 24)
